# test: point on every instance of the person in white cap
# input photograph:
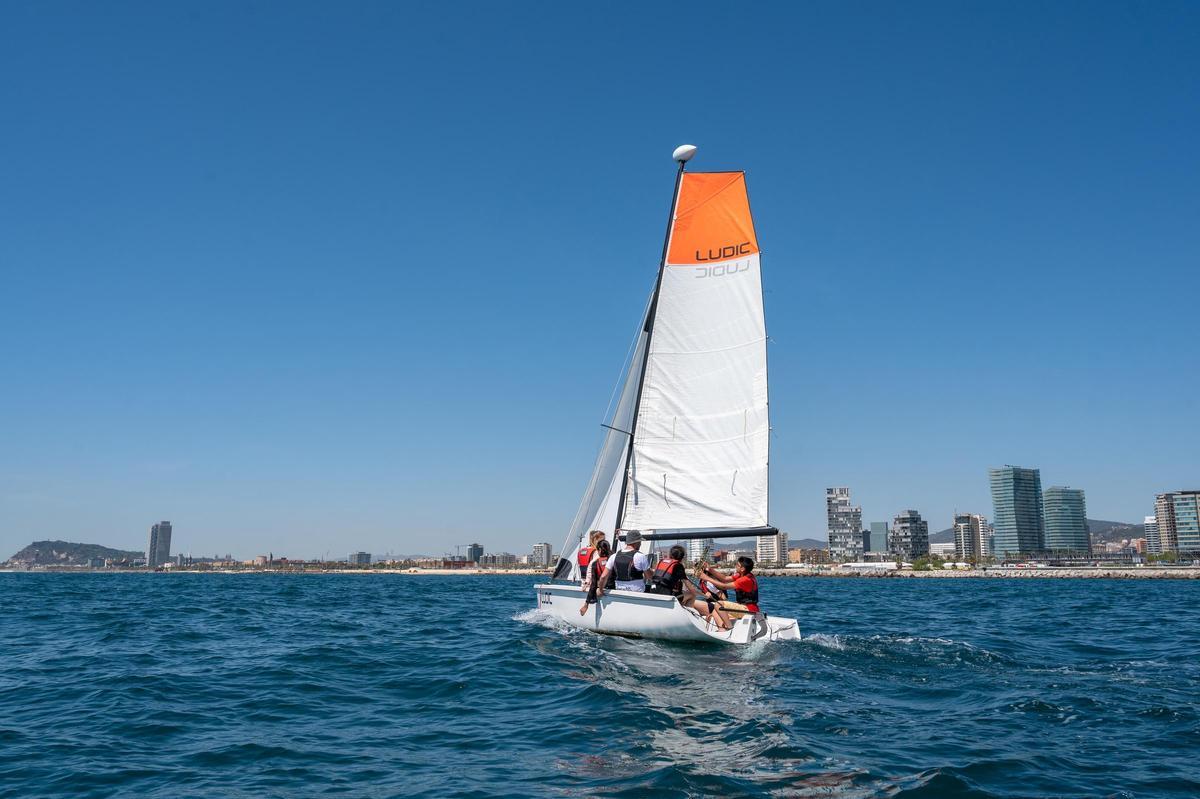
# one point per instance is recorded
(628, 565)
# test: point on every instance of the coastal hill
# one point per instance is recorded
(1102, 532)
(67, 553)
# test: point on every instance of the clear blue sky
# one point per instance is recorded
(321, 277)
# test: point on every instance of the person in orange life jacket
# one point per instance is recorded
(670, 577)
(743, 582)
(628, 566)
(603, 550)
(585, 555)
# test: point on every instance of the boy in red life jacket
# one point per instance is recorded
(743, 582)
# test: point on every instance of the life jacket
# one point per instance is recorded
(623, 566)
(584, 558)
(748, 597)
(610, 582)
(667, 578)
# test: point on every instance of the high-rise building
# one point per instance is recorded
(845, 525)
(1164, 515)
(772, 549)
(971, 534)
(910, 535)
(1065, 516)
(543, 555)
(1153, 544)
(1017, 520)
(475, 553)
(1187, 521)
(360, 559)
(875, 538)
(700, 549)
(159, 551)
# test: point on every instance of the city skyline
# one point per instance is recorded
(895, 536)
(972, 534)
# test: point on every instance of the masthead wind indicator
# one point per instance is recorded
(684, 152)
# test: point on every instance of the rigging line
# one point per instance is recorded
(622, 376)
(616, 429)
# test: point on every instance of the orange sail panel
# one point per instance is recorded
(712, 219)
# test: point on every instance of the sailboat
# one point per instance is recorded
(685, 449)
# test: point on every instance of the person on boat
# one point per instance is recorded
(595, 573)
(670, 578)
(712, 593)
(629, 566)
(743, 582)
(587, 554)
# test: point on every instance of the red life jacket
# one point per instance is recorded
(748, 598)
(584, 558)
(666, 579)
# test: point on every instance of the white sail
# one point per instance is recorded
(701, 438)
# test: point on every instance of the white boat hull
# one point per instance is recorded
(643, 615)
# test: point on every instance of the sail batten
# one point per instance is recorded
(699, 453)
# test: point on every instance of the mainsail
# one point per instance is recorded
(699, 455)
(695, 391)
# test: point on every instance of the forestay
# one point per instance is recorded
(598, 508)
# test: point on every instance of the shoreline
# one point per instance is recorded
(991, 573)
(1000, 573)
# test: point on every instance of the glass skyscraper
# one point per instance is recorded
(1187, 521)
(159, 551)
(875, 539)
(1066, 520)
(1017, 515)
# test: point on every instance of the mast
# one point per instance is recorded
(682, 154)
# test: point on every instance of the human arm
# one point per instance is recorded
(592, 575)
(716, 577)
(642, 563)
(715, 572)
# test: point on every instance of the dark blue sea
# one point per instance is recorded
(160, 685)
